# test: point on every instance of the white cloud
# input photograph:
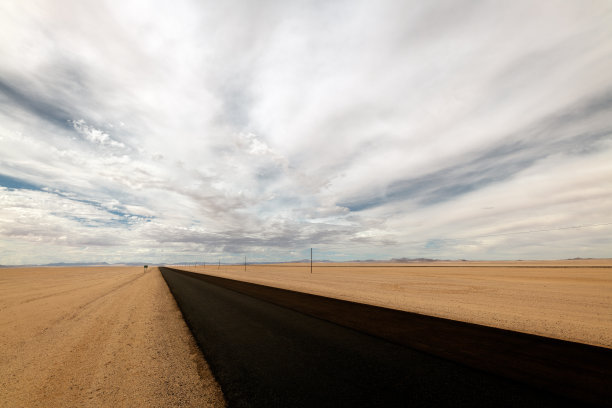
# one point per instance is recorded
(94, 135)
(381, 128)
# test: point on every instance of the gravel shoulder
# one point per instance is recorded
(97, 337)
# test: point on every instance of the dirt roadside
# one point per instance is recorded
(97, 337)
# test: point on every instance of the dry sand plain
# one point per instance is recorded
(570, 300)
(92, 337)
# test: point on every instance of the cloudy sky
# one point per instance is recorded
(199, 130)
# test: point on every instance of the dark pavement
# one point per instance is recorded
(264, 355)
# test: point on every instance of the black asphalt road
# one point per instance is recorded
(264, 355)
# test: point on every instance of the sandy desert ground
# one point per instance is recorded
(91, 337)
(103, 336)
(570, 300)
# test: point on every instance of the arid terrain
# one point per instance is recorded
(97, 336)
(103, 336)
(569, 300)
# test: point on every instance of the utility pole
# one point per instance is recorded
(311, 261)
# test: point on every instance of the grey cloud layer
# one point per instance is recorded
(578, 130)
(378, 128)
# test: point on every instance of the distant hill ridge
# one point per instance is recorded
(306, 260)
(76, 264)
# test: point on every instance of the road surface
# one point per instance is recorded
(264, 355)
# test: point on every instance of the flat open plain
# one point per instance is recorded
(97, 336)
(101, 336)
(569, 300)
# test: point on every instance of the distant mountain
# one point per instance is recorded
(399, 260)
(403, 260)
(68, 264)
(75, 264)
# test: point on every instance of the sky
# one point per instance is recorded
(203, 130)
